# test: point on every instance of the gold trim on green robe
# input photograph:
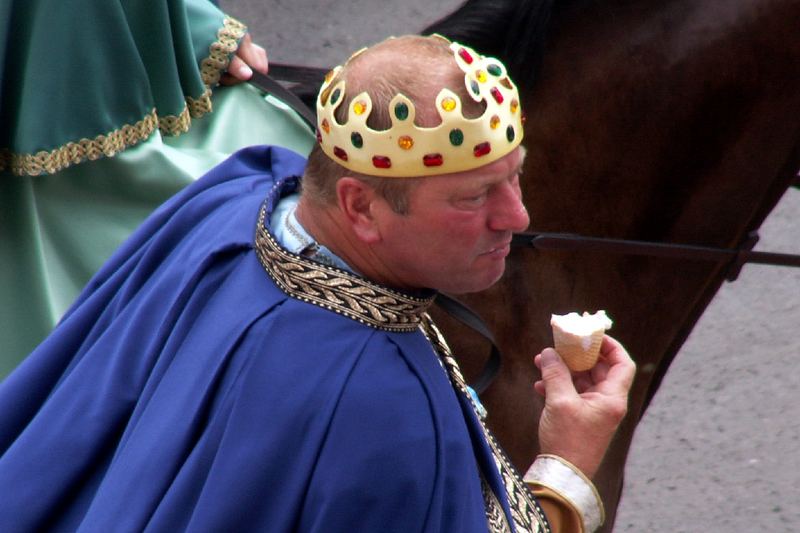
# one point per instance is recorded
(124, 87)
(75, 90)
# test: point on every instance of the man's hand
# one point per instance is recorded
(249, 57)
(582, 411)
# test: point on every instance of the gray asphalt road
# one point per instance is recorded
(718, 448)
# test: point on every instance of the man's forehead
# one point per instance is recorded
(502, 169)
(505, 167)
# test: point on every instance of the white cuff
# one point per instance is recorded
(564, 478)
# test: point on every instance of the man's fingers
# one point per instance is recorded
(248, 57)
(621, 368)
(237, 72)
(556, 376)
(612, 350)
(253, 54)
(599, 372)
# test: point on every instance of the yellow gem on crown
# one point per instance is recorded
(405, 142)
(481, 75)
(514, 106)
(448, 104)
(494, 122)
(360, 107)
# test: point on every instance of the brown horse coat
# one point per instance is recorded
(672, 121)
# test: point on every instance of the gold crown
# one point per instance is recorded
(406, 150)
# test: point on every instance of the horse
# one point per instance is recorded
(671, 121)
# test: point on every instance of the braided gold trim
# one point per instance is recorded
(74, 152)
(201, 105)
(528, 516)
(337, 290)
(175, 124)
(494, 509)
(110, 144)
(212, 67)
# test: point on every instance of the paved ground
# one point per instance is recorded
(719, 445)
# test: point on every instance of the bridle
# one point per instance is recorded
(735, 258)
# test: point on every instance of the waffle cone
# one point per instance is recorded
(578, 352)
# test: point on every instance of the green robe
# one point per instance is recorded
(107, 108)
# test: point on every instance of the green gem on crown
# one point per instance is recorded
(357, 139)
(494, 70)
(456, 137)
(475, 87)
(401, 111)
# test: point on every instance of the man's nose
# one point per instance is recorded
(509, 213)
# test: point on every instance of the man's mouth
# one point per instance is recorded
(501, 250)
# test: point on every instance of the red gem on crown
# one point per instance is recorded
(381, 161)
(466, 56)
(498, 96)
(433, 160)
(482, 149)
(341, 154)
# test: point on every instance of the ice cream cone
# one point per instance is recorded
(577, 339)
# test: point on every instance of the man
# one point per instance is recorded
(211, 380)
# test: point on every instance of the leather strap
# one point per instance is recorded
(270, 86)
(470, 318)
(735, 257)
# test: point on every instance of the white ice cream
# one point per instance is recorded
(582, 325)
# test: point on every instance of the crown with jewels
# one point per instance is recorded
(407, 150)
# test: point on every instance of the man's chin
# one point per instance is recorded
(474, 285)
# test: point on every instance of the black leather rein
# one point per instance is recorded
(736, 258)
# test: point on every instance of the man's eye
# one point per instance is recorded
(476, 199)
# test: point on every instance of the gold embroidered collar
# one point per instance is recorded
(337, 290)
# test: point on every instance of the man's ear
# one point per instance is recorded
(356, 199)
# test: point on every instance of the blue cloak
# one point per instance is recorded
(186, 391)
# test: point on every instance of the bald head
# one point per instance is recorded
(418, 67)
